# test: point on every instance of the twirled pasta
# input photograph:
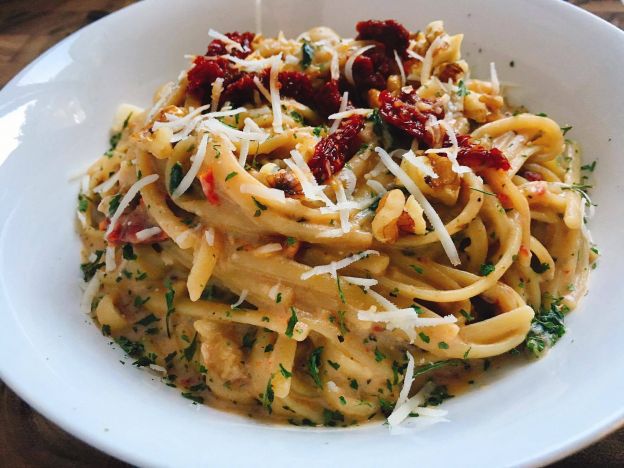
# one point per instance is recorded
(370, 251)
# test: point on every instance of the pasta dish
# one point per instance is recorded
(327, 231)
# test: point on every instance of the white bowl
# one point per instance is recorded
(54, 118)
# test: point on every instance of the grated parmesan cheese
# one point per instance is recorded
(274, 291)
(215, 95)
(401, 69)
(348, 70)
(366, 283)
(432, 216)
(251, 65)
(263, 191)
(376, 186)
(107, 184)
(147, 233)
(494, 79)
(413, 405)
(276, 103)
(128, 197)
(332, 267)
(345, 114)
(427, 65)
(268, 248)
(189, 177)
(419, 164)
(210, 236)
(262, 88)
(229, 43)
(241, 298)
(343, 106)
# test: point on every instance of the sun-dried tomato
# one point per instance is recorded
(478, 157)
(130, 223)
(333, 151)
(295, 85)
(217, 47)
(532, 176)
(410, 113)
(239, 91)
(390, 33)
(327, 98)
(208, 187)
(204, 72)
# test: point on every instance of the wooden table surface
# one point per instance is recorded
(28, 28)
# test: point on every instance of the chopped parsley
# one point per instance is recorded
(354, 384)
(285, 372)
(249, 339)
(139, 301)
(291, 241)
(268, 396)
(133, 349)
(341, 323)
(189, 351)
(314, 361)
(379, 356)
(340, 293)
(106, 330)
(566, 129)
(90, 268)
(113, 204)
(443, 345)
(83, 203)
(331, 418)
(268, 348)
(278, 298)
(417, 269)
(292, 321)
(438, 395)
(335, 365)
(589, 167)
(192, 397)
(546, 327)
(424, 337)
(461, 89)
(435, 365)
(467, 315)
(261, 207)
(297, 117)
(375, 118)
(486, 268)
(169, 296)
(127, 252)
(307, 54)
(175, 177)
(231, 175)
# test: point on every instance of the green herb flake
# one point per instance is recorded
(127, 252)
(193, 398)
(284, 371)
(292, 321)
(340, 293)
(231, 175)
(314, 361)
(190, 350)
(443, 345)
(565, 130)
(379, 356)
(342, 400)
(83, 203)
(417, 269)
(461, 89)
(546, 328)
(467, 315)
(169, 296)
(335, 365)
(268, 396)
(90, 268)
(486, 268)
(175, 177)
(278, 298)
(307, 54)
(424, 337)
(332, 418)
(113, 204)
(589, 167)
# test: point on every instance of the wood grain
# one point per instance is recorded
(27, 439)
